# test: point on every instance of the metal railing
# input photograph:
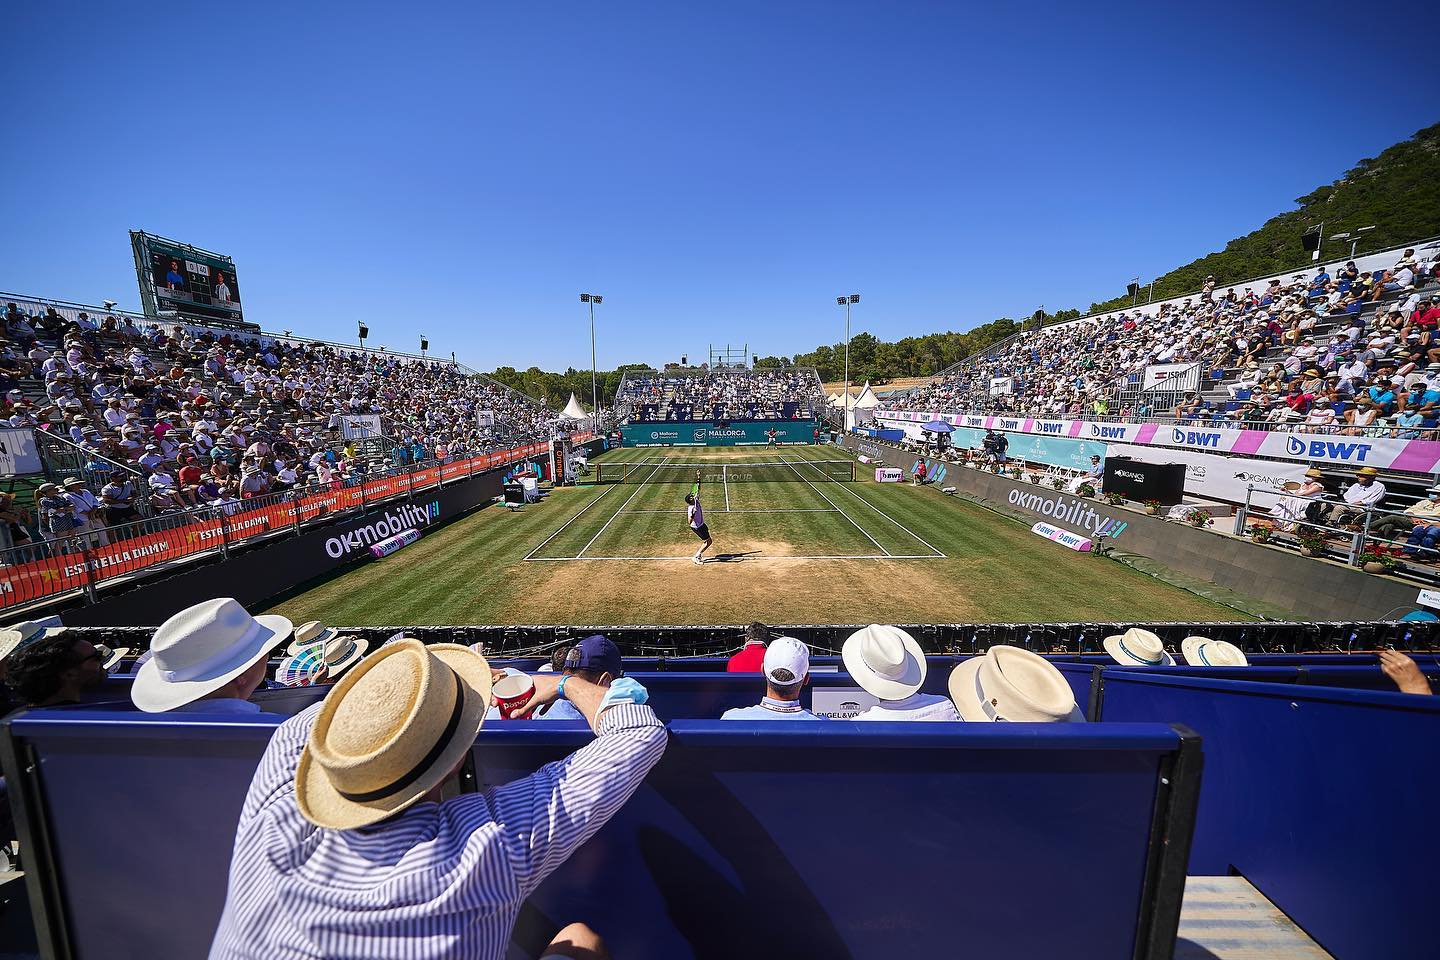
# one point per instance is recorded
(1368, 533)
(82, 560)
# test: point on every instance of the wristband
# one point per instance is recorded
(560, 690)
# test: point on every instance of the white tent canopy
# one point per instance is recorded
(573, 409)
(866, 400)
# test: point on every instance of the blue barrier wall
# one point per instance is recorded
(1321, 797)
(741, 827)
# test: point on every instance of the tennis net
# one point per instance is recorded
(815, 471)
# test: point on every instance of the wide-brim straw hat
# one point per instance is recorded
(1137, 647)
(1204, 652)
(885, 661)
(390, 731)
(1013, 685)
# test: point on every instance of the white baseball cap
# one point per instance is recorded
(789, 654)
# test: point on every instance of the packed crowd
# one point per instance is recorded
(1340, 352)
(716, 395)
(173, 418)
(350, 798)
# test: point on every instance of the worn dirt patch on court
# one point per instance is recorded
(738, 591)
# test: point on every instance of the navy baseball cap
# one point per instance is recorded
(595, 653)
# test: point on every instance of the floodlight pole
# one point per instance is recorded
(846, 302)
(592, 299)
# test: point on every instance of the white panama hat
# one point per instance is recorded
(1204, 652)
(1012, 685)
(202, 648)
(885, 661)
(310, 633)
(1138, 648)
(342, 653)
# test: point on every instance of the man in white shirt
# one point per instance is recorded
(888, 664)
(1366, 491)
(787, 671)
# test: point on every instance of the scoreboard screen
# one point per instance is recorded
(190, 281)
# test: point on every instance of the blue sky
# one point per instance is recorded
(719, 172)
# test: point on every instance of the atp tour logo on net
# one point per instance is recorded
(1327, 450)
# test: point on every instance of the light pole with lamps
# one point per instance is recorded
(592, 299)
(846, 302)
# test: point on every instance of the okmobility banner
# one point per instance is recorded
(1415, 456)
(22, 583)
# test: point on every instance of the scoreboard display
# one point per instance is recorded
(191, 282)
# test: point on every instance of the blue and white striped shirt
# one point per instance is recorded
(435, 881)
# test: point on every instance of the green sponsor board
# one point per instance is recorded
(709, 434)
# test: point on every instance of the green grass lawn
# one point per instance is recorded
(920, 557)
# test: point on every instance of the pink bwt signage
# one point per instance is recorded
(1063, 537)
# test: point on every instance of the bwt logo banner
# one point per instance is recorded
(1193, 438)
(1327, 450)
(1102, 432)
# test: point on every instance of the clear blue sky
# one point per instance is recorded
(718, 171)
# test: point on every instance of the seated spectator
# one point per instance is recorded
(352, 789)
(1092, 476)
(888, 664)
(208, 658)
(751, 658)
(595, 660)
(1366, 491)
(1012, 685)
(55, 670)
(1407, 676)
(787, 670)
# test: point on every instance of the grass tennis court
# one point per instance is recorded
(791, 546)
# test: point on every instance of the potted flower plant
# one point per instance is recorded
(1114, 499)
(1378, 559)
(1259, 532)
(1199, 519)
(1034, 478)
(1057, 483)
(1312, 542)
(1152, 507)
(1086, 490)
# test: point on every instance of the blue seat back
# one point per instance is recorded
(740, 823)
(1320, 796)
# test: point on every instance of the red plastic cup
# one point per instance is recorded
(510, 692)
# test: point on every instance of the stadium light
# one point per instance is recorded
(592, 299)
(424, 344)
(846, 302)
(364, 332)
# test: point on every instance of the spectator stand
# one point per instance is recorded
(720, 394)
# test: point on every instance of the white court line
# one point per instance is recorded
(725, 481)
(690, 558)
(841, 512)
(567, 523)
(938, 553)
(743, 510)
(638, 487)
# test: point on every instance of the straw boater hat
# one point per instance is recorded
(342, 653)
(1010, 684)
(390, 731)
(1204, 652)
(309, 634)
(885, 661)
(202, 648)
(1137, 647)
(1367, 472)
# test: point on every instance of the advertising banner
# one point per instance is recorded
(888, 475)
(1416, 456)
(1001, 385)
(1171, 376)
(358, 426)
(710, 434)
(18, 453)
(1222, 478)
(1063, 537)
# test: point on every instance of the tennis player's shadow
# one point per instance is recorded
(732, 557)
